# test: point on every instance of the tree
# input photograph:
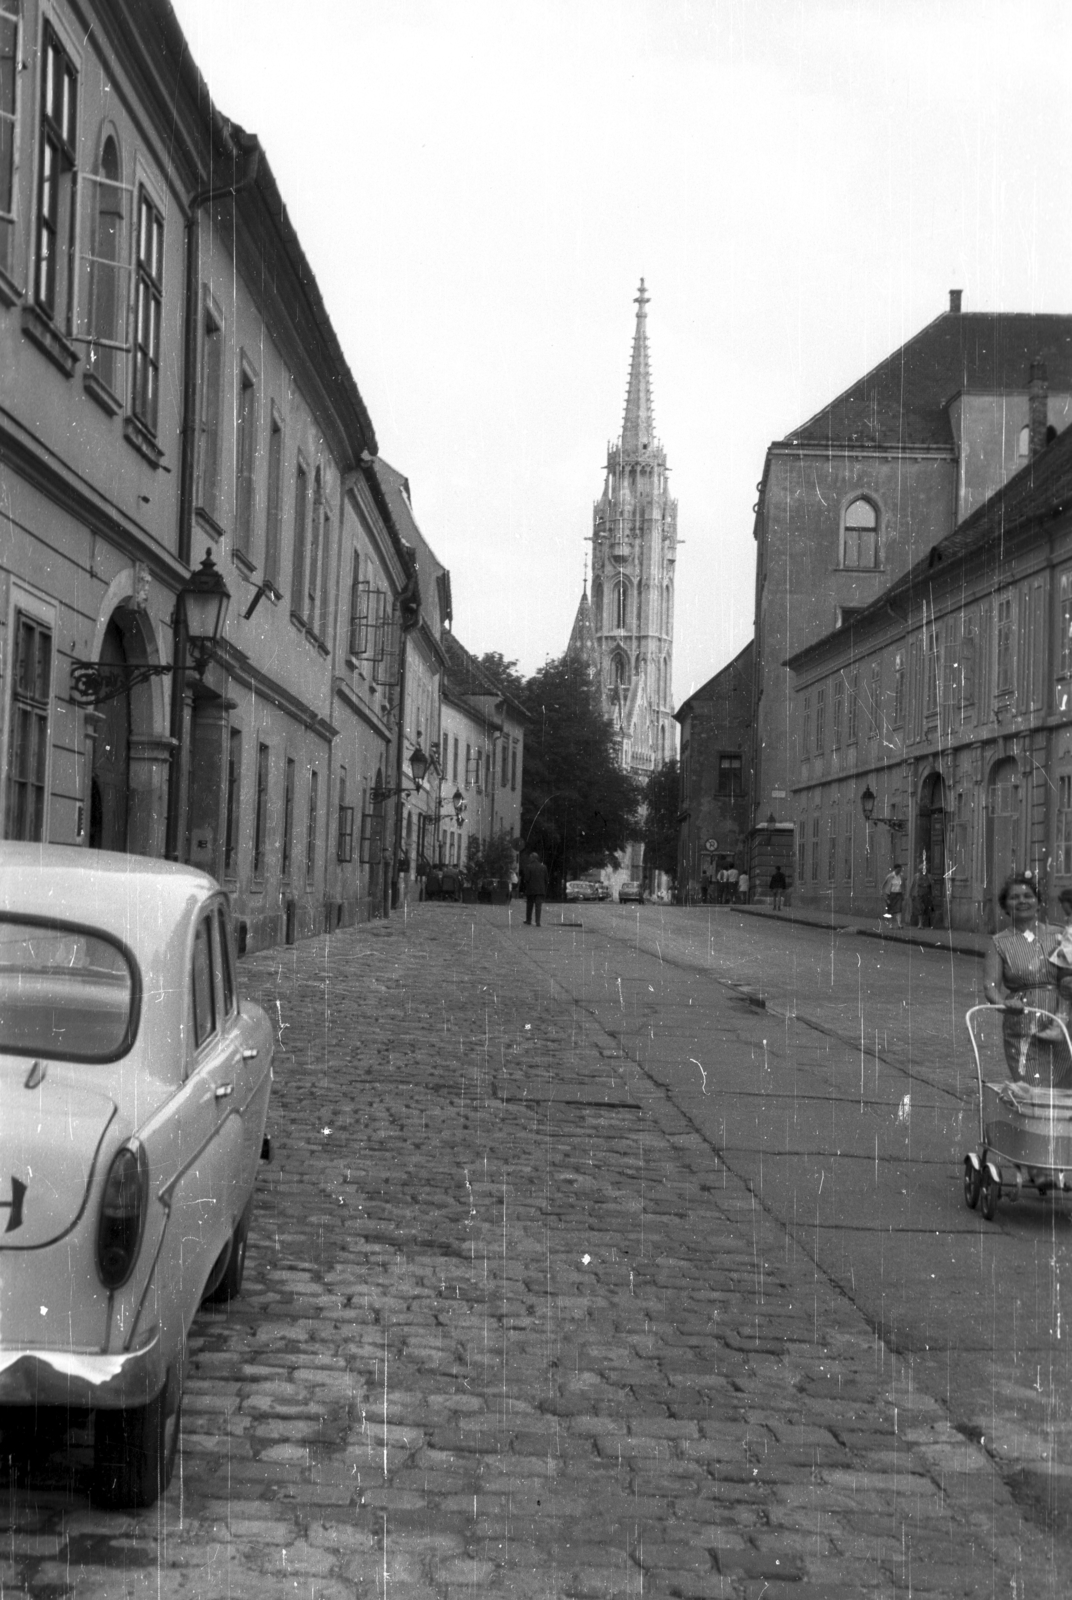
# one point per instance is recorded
(577, 806)
(660, 825)
(503, 672)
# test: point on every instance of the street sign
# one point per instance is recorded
(710, 844)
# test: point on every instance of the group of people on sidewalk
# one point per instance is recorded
(920, 897)
(729, 886)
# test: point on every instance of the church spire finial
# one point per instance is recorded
(638, 423)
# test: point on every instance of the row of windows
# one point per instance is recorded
(478, 769)
(619, 675)
(297, 847)
(943, 672)
(620, 618)
(826, 856)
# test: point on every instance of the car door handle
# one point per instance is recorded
(223, 1090)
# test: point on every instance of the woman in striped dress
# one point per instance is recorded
(1018, 974)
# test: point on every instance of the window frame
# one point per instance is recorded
(247, 428)
(148, 293)
(10, 11)
(50, 282)
(35, 710)
(210, 407)
(273, 511)
(856, 532)
(260, 812)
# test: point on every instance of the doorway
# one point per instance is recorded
(110, 784)
(1003, 830)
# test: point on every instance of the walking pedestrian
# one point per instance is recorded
(732, 874)
(705, 885)
(720, 886)
(534, 880)
(777, 888)
(742, 889)
(893, 889)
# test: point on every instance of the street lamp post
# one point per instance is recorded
(867, 806)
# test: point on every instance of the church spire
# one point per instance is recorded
(638, 423)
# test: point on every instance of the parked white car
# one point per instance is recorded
(134, 1089)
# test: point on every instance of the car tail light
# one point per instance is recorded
(122, 1216)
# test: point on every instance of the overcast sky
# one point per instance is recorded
(480, 186)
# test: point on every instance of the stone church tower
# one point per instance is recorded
(629, 620)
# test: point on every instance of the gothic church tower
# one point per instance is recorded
(634, 550)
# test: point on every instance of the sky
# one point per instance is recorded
(479, 186)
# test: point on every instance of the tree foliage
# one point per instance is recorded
(577, 807)
(660, 825)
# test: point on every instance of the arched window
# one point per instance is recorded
(619, 670)
(1023, 447)
(105, 296)
(597, 605)
(666, 608)
(621, 606)
(859, 540)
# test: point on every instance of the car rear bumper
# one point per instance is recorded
(82, 1380)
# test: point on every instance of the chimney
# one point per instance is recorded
(1038, 390)
(954, 302)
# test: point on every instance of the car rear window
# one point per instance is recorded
(66, 992)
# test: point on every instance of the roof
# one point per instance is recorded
(742, 662)
(638, 421)
(394, 489)
(905, 399)
(1040, 490)
(467, 679)
(582, 645)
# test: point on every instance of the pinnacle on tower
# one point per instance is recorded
(638, 423)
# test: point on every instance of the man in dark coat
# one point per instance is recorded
(534, 881)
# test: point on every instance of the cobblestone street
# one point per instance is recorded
(510, 1329)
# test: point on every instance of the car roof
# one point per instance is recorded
(139, 899)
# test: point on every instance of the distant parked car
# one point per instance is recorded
(134, 1089)
(581, 889)
(631, 891)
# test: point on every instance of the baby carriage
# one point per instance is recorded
(1025, 1122)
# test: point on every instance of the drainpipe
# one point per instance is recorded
(246, 146)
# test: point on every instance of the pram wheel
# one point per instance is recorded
(973, 1182)
(991, 1194)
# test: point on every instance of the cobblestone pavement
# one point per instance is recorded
(510, 1329)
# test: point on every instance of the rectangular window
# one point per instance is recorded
(314, 551)
(288, 819)
(480, 769)
(234, 793)
(9, 90)
(831, 852)
(898, 689)
(54, 282)
(211, 417)
(454, 764)
(273, 522)
(504, 776)
(325, 569)
(260, 811)
(847, 862)
(297, 573)
(31, 691)
(468, 766)
(820, 719)
(513, 767)
(104, 264)
(875, 700)
(371, 846)
(245, 458)
(802, 849)
(839, 713)
(148, 302)
(853, 698)
(930, 670)
(815, 847)
(1064, 669)
(344, 850)
(805, 736)
(1063, 863)
(966, 672)
(310, 836)
(730, 775)
(1003, 649)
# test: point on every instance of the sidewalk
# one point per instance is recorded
(510, 1330)
(955, 940)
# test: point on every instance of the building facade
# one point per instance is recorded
(482, 760)
(634, 555)
(948, 699)
(171, 389)
(856, 496)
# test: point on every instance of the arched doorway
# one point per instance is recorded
(110, 786)
(931, 829)
(1003, 831)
